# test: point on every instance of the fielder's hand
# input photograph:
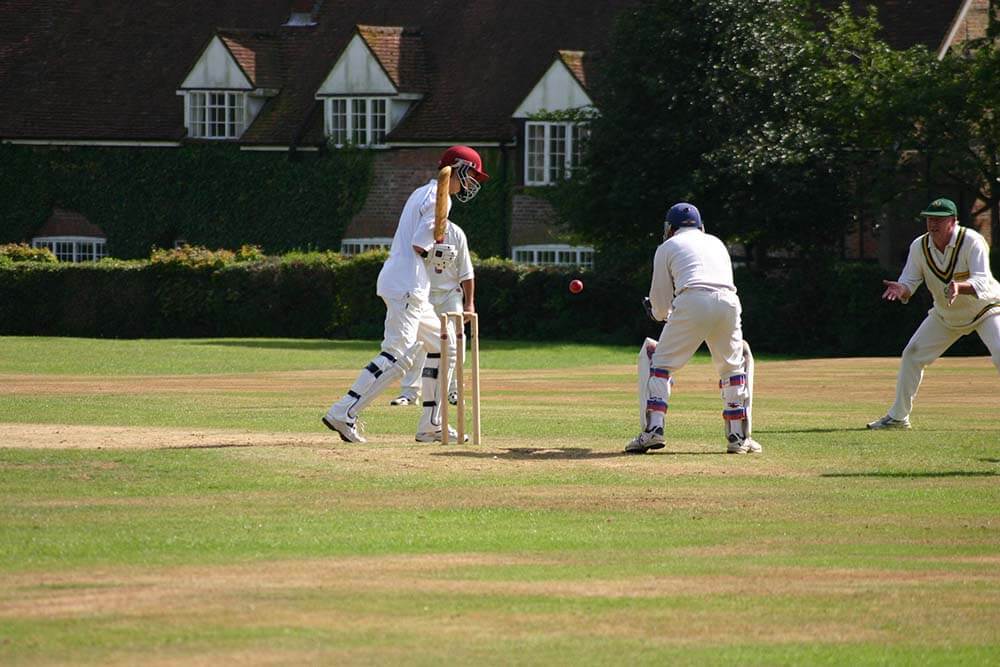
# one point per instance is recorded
(895, 291)
(951, 292)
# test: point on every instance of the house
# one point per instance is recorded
(402, 79)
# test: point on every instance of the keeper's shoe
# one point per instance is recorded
(737, 445)
(405, 399)
(453, 397)
(345, 429)
(435, 436)
(645, 441)
(889, 422)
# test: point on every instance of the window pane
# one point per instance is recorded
(523, 256)
(359, 121)
(100, 250)
(546, 257)
(197, 114)
(64, 251)
(567, 257)
(557, 152)
(338, 121)
(586, 259)
(535, 158)
(581, 133)
(379, 122)
(84, 252)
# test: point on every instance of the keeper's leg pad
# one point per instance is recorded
(654, 388)
(430, 417)
(382, 371)
(737, 398)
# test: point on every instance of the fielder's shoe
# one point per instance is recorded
(889, 422)
(645, 441)
(345, 429)
(435, 436)
(405, 399)
(453, 397)
(739, 445)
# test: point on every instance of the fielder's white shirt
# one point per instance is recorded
(689, 259)
(405, 272)
(453, 275)
(966, 257)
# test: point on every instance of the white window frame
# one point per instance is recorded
(200, 103)
(356, 246)
(555, 165)
(70, 248)
(358, 121)
(554, 254)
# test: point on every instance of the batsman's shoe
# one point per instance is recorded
(453, 397)
(889, 422)
(345, 429)
(435, 436)
(405, 399)
(645, 441)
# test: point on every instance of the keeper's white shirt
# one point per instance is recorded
(404, 272)
(687, 260)
(461, 269)
(966, 257)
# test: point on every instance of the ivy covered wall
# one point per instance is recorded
(212, 195)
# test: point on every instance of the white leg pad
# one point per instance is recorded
(654, 385)
(430, 417)
(737, 398)
(382, 371)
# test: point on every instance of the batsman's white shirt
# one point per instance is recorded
(688, 259)
(966, 257)
(405, 273)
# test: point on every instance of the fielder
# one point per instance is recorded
(453, 290)
(693, 292)
(404, 285)
(954, 262)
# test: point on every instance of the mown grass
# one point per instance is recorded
(543, 546)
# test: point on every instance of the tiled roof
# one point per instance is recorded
(258, 54)
(63, 222)
(401, 53)
(574, 61)
(99, 71)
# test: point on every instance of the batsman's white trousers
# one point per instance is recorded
(702, 315)
(442, 301)
(408, 320)
(929, 342)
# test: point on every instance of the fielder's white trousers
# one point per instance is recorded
(929, 342)
(442, 301)
(702, 315)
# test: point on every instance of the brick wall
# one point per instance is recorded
(531, 220)
(973, 26)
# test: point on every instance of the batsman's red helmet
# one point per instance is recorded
(469, 155)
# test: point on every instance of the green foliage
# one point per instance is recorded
(22, 252)
(486, 219)
(210, 195)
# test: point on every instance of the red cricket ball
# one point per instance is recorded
(576, 286)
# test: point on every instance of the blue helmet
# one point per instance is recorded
(684, 215)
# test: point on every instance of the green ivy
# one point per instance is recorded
(211, 195)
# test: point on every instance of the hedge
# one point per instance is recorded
(821, 312)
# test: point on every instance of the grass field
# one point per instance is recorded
(178, 501)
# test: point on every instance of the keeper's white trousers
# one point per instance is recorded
(929, 342)
(702, 315)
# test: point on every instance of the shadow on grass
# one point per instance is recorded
(915, 475)
(990, 460)
(311, 345)
(757, 431)
(210, 446)
(535, 454)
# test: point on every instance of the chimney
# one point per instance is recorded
(303, 13)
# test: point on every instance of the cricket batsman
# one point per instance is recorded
(403, 283)
(694, 294)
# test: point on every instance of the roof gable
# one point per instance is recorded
(357, 72)
(217, 68)
(258, 55)
(400, 52)
(559, 89)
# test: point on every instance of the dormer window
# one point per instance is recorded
(216, 114)
(552, 150)
(361, 121)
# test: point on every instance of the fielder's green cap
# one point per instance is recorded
(941, 208)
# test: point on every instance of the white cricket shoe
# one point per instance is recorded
(435, 436)
(737, 445)
(645, 441)
(345, 429)
(889, 422)
(453, 397)
(405, 399)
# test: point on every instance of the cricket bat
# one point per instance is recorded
(441, 204)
